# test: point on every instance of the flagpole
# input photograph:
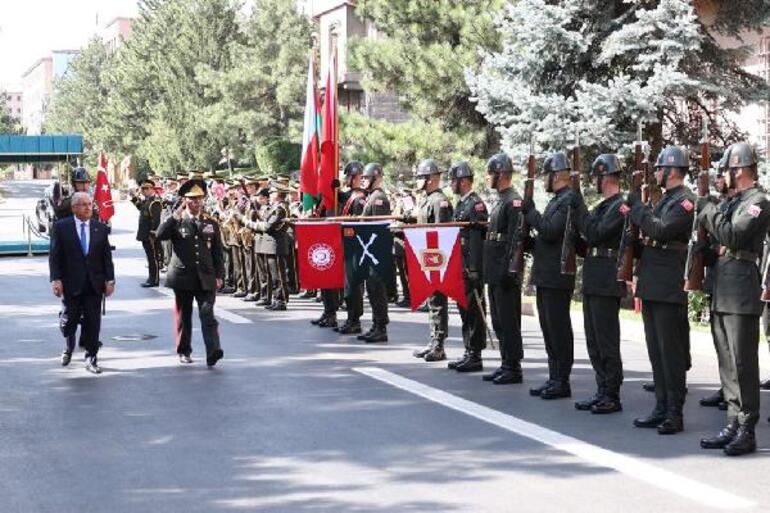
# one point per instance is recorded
(336, 123)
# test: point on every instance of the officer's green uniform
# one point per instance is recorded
(736, 304)
(660, 281)
(149, 219)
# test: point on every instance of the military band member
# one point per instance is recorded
(504, 283)
(377, 204)
(660, 282)
(248, 241)
(602, 230)
(470, 209)
(196, 270)
(261, 250)
(150, 207)
(433, 208)
(553, 289)
(737, 305)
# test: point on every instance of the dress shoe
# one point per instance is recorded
(607, 405)
(350, 328)
(250, 298)
(239, 293)
(765, 385)
(404, 303)
(535, 392)
(363, 336)
(671, 426)
(473, 363)
(185, 358)
(713, 400)
(492, 375)
(420, 353)
(586, 404)
(744, 442)
(227, 290)
(653, 420)
(436, 354)
(92, 366)
(648, 387)
(263, 302)
(316, 322)
(148, 284)
(454, 363)
(508, 377)
(329, 322)
(277, 306)
(558, 390)
(214, 357)
(379, 334)
(722, 438)
(66, 358)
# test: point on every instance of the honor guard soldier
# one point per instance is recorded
(353, 206)
(504, 283)
(602, 230)
(736, 305)
(81, 182)
(196, 270)
(553, 289)
(377, 204)
(150, 207)
(433, 208)
(168, 201)
(404, 206)
(470, 209)
(660, 286)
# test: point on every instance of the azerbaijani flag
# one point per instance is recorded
(308, 178)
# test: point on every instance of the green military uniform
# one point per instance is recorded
(248, 239)
(553, 289)
(261, 247)
(399, 250)
(660, 282)
(149, 219)
(275, 245)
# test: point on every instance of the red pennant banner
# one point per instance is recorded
(320, 256)
(434, 263)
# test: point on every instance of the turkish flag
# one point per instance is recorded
(434, 263)
(320, 255)
(103, 193)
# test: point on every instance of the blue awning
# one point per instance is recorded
(39, 148)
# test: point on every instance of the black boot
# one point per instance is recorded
(350, 328)
(557, 390)
(436, 353)
(473, 363)
(652, 420)
(378, 334)
(713, 400)
(722, 438)
(317, 322)
(648, 387)
(420, 353)
(536, 391)
(674, 423)
(744, 442)
(509, 376)
(492, 375)
(363, 336)
(586, 404)
(454, 363)
(609, 403)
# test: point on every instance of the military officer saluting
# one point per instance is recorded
(470, 208)
(433, 208)
(554, 289)
(602, 229)
(196, 270)
(736, 305)
(150, 207)
(660, 286)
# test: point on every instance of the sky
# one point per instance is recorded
(31, 29)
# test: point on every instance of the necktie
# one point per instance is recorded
(83, 240)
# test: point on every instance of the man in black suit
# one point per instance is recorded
(196, 270)
(81, 272)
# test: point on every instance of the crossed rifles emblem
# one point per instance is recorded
(365, 247)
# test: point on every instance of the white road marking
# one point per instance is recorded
(219, 312)
(632, 467)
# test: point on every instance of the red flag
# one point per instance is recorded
(103, 193)
(320, 256)
(434, 263)
(329, 143)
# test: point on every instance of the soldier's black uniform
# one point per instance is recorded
(660, 281)
(602, 229)
(195, 266)
(377, 204)
(149, 220)
(354, 295)
(736, 305)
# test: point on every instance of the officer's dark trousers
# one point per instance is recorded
(354, 300)
(556, 325)
(668, 349)
(331, 301)
(737, 337)
(83, 309)
(183, 319)
(766, 322)
(154, 256)
(378, 299)
(292, 276)
(239, 275)
(438, 314)
(167, 247)
(505, 310)
(276, 265)
(263, 275)
(602, 328)
(473, 327)
(403, 278)
(228, 265)
(251, 270)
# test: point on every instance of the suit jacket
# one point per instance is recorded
(196, 262)
(67, 263)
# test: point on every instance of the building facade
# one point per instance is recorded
(115, 33)
(37, 84)
(13, 101)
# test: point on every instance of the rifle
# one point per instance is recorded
(568, 257)
(694, 269)
(517, 262)
(630, 234)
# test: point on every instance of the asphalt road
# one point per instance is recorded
(298, 419)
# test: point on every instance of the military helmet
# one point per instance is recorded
(353, 168)
(427, 167)
(372, 169)
(80, 175)
(459, 170)
(500, 164)
(673, 156)
(722, 166)
(740, 154)
(556, 162)
(606, 164)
